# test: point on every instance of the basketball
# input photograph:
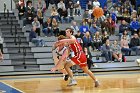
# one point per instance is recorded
(98, 12)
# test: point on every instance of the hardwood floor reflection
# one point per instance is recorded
(120, 83)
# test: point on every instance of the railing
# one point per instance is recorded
(11, 26)
(15, 38)
(24, 55)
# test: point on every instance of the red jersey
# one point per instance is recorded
(76, 47)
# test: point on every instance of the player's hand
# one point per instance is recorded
(53, 69)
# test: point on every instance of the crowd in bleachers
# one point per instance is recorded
(118, 20)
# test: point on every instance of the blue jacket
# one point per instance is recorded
(83, 29)
(32, 35)
(134, 25)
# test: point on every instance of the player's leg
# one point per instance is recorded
(87, 71)
(70, 73)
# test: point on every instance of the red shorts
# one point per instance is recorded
(80, 59)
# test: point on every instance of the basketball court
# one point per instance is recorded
(122, 82)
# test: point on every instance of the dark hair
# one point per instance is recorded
(71, 30)
(62, 32)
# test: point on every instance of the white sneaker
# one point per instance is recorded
(72, 82)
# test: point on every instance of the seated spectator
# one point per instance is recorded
(94, 29)
(61, 7)
(30, 7)
(36, 23)
(47, 27)
(125, 46)
(97, 40)
(75, 27)
(104, 26)
(96, 3)
(116, 51)
(22, 10)
(123, 27)
(111, 26)
(64, 16)
(106, 51)
(29, 16)
(105, 36)
(71, 8)
(87, 41)
(54, 14)
(39, 5)
(79, 37)
(89, 5)
(83, 28)
(55, 27)
(135, 43)
(34, 39)
(77, 8)
(40, 16)
(86, 15)
(134, 26)
(125, 33)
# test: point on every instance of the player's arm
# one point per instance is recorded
(63, 57)
(66, 41)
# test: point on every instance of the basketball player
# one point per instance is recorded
(78, 59)
(60, 55)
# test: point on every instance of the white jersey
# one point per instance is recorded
(57, 54)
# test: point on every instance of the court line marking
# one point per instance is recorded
(13, 87)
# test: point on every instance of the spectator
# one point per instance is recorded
(47, 3)
(86, 15)
(1, 44)
(94, 29)
(22, 11)
(71, 7)
(107, 51)
(47, 27)
(97, 40)
(105, 36)
(77, 9)
(30, 7)
(134, 26)
(33, 38)
(87, 41)
(55, 27)
(111, 26)
(124, 26)
(89, 5)
(36, 23)
(83, 28)
(64, 16)
(29, 18)
(135, 43)
(96, 3)
(40, 5)
(125, 33)
(79, 37)
(40, 16)
(60, 7)
(75, 27)
(116, 50)
(54, 14)
(125, 46)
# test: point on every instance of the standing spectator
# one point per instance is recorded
(107, 51)
(134, 26)
(36, 23)
(116, 50)
(75, 27)
(1, 44)
(124, 46)
(135, 43)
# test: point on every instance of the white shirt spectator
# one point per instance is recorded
(96, 3)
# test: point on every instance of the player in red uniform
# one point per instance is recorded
(79, 57)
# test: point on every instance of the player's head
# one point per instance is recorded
(61, 37)
(69, 32)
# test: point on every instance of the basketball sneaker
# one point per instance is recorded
(97, 84)
(66, 77)
(72, 82)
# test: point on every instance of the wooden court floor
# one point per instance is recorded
(112, 83)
